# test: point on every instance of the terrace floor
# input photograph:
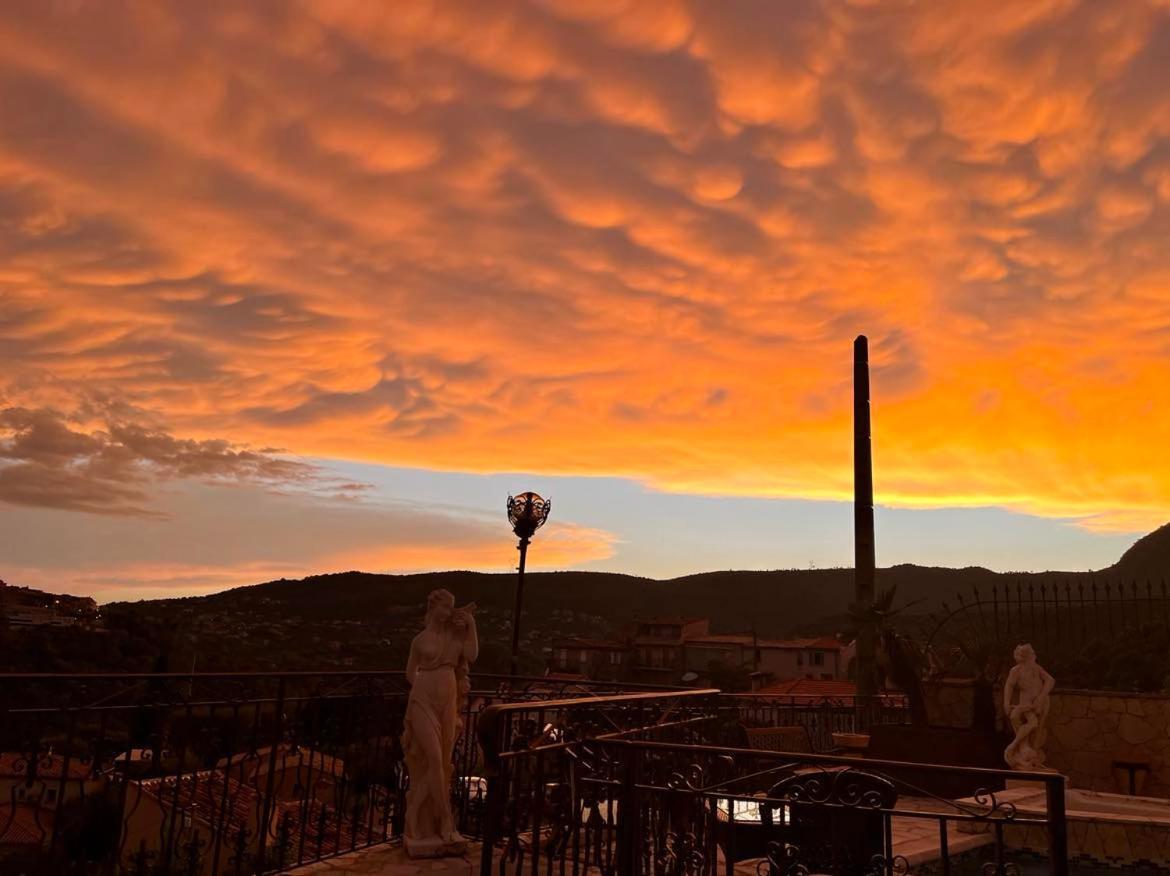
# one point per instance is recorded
(916, 839)
(391, 860)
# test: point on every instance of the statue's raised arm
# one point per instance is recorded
(464, 621)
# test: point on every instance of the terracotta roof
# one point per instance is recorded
(577, 642)
(255, 763)
(811, 687)
(47, 766)
(24, 824)
(820, 643)
(671, 621)
(202, 796)
(319, 827)
(565, 676)
(720, 640)
(817, 690)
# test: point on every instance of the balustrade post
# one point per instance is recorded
(1057, 826)
(269, 789)
(490, 729)
(629, 815)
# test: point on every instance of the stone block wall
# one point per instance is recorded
(1087, 732)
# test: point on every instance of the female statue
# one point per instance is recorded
(1029, 714)
(437, 673)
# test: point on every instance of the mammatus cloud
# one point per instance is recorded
(630, 238)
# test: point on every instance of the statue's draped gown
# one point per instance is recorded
(432, 717)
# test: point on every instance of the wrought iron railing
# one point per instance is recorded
(217, 773)
(1059, 618)
(820, 718)
(531, 752)
(258, 772)
(650, 787)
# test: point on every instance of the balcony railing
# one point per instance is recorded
(645, 784)
(257, 772)
(216, 773)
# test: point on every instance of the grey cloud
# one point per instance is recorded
(46, 461)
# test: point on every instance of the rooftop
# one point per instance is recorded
(812, 689)
(47, 766)
(24, 825)
(823, 643)
(668, 620)
(204, 796)
(580, 642)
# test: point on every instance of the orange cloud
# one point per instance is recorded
(630, 238)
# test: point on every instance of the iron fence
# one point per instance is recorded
(1058, 616)
(644, 785)
(217, 773)
(821, 719)
(259, 772)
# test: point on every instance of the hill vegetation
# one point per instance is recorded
(360, 620)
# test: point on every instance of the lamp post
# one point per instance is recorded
(527, 513)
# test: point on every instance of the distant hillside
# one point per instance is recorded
(1149, 558)
(366, 620)
(776, 602)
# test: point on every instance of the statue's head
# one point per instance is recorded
(440, 605)
(1024, 654)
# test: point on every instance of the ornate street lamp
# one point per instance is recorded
(527, 513)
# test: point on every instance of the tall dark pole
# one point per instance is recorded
(523, 548)
(863, 540)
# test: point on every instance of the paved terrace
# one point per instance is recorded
(915, 839)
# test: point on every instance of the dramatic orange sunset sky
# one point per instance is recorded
(281, 282)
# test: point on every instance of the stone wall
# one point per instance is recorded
(1087, 732)
(949, 703)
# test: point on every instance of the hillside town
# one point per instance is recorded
(682, 650)
(23, 607)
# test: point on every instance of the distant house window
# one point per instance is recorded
(563, 657)
(582, 656)
(615, 657)
(818, 658)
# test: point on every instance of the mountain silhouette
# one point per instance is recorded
(1148, 559)
(774, 603)
(361, 620)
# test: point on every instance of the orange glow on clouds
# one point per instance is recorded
(627, 238)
